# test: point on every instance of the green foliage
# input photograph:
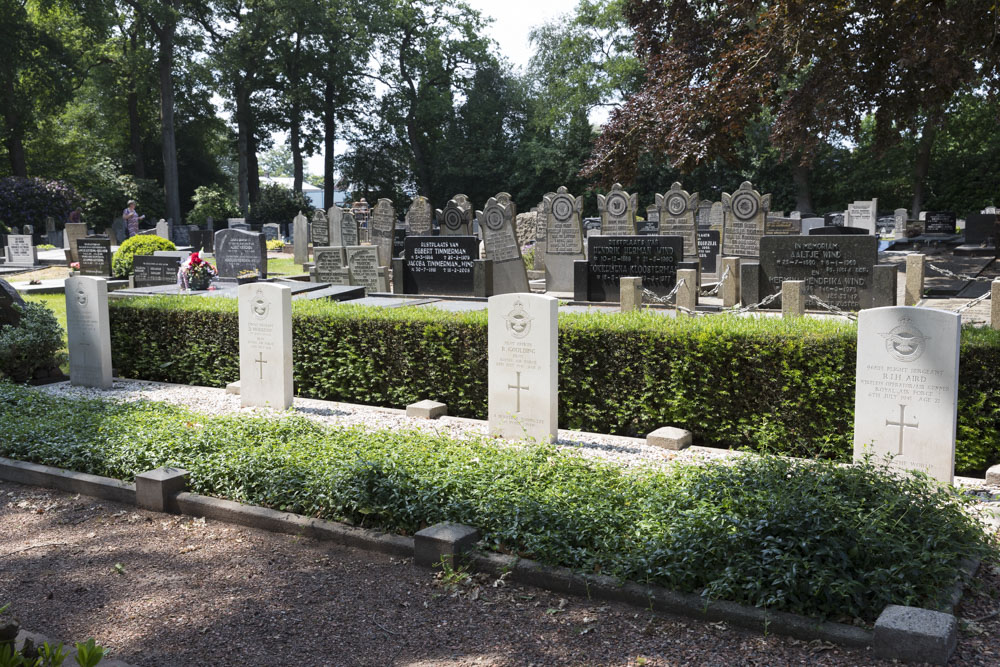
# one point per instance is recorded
(145, 244)
(767, 384)
(28, 201)
(803, 536)
(278, 204)
(31, 345)
(275, 245)
(211, 201)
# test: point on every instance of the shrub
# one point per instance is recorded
(145, 244)
(278, 204)
(275, 245)
(31, 345)
(807, 537)
(211, 201)
(28, 201)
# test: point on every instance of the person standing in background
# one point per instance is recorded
(75, 216)
(132, 218)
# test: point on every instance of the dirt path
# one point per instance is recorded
(174, 591)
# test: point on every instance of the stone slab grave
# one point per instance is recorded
(300, 239)
(330, 265)
(265, 316)
(319, 231)
(150, 270)
(420, 217)
(523, 366)
(906, 398)
(239, 250)
(655, 259)
(862, 214)
(709, 246)
(500, 240)
(940, 222)
(618, 209)
(21, 251)
(94, 256)
(383, 224)
(564, 239)
(840, 270)
(72, 233)
(677, 210)
(745, 215)
(88, 331)
(979, 227)
(363, 263)
(442, 265)
(456, 217)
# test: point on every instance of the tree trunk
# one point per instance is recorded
(803, 195)
(329, 137)
(922, 162)
(170, 180)
(134, 123)
(295, 141)
(253, 168)
(420, 167)
(243, 144)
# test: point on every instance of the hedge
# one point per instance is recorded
(809, 537)
(767, 384)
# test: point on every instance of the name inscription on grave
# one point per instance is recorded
(836, 269)
(440, 265)
(652, 258)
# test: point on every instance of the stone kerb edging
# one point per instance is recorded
(909, 634)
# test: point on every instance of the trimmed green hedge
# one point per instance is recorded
(769, 384)
(808, 537)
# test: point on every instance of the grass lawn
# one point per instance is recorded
(283, 265)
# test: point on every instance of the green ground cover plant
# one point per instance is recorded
(31, 345)
(809, 537)
(768, 384)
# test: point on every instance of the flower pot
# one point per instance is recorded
(244, 281)
(199, 282)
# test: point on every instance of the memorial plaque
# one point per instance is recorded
(238, 250)
(320, 230)
(398, 242)
(940, 222)
(440, 265)
(20, 250)
(500, 241)
(709, 244)
(618, 212)
(783, 227)
(906, 393)
(455, 219)
(676, 208)
(95, 256)
(703, 215)
(837, 269)
(419, 217)
(652, 258)
(746, 210)
(649, 226)
(363, 262)
(150, 271)
(563, 239)
(383, 223)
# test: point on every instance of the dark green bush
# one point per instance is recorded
(801, 536)
(145, 244)
(31, 345)
(769, 384)
(278, 204)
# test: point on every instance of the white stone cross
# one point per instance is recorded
(901, 424)
(260, 361)
(518, 387)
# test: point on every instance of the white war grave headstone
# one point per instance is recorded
(617, 210)
(88, 330)
(906, 399)
(523, 366)
(265, 314)
(677, 209)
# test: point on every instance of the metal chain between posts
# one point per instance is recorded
(664, 300)
(974, 302)
(766, 301)
(833, 309)
(950, 274)
(718, 285)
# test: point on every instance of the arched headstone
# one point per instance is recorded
(500, 240)
(563, 239)
(677, 216)
(746, 211)
(618, 212)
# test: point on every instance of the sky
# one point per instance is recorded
(513, 20)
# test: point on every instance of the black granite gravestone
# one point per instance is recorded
(201, 240)
(979, 227)
(149, 271)
(440, 265)
(653, 258)
(837, 269)
(95, 256)
(644, 227)
(708, 249)
(940, 222)
(238, 250)
(837, 230)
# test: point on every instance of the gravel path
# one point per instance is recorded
(169, 591)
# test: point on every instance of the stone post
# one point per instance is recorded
(631, 294)
(793, 298)
(995, 304)
(687, 295)
(914, 279)
(731, 285)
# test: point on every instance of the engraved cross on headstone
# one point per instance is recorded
(260, 363)
(901, 424)
(518, 387)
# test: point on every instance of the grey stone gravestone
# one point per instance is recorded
(523, 357)
(335, 219)
(419, 217)
(330, 265)
(88, 332)
(703, 215)
(618, 212)
(95, 256)
(21, 251)
(265, 316)
(300, 239)
(230, 222)
(271, 231)
(442, 265)
(564, 239)
(182, 235)
(497, 222)
(119, 229)
(319, 231)
(676, 209)
(383, 225)
(238, 250)
(541, 233)
(73, 232)
(163, 229)
(349, 230)
(906, 394)
(809, 224)
(746, 210)
(363, 262)
(455, 218)
(899, 218)
(611, 258)
(863, 214)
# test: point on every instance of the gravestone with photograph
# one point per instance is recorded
(420, 217)
(906, 395)
(564, 239)
(265, 320)
(497, 222)
(676, 208)
(523, 358)
(237, 250)
(618, 209)
(95, 256)
(383, 226)
(745, 214)
(88, 332)
(440, 265)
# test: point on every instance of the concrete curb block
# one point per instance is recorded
(67, 480)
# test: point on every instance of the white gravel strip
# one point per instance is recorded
(627, 452)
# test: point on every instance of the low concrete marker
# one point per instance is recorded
(913, 634)
(426, 409)
(995, 304)
(914, 279)
(793, 298)
(443, 541)
(630, 289)
(669, 437)
(157, 489)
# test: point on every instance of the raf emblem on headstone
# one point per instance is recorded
(905, 342)
(518, 321)
(259, 305)
(81, 297)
